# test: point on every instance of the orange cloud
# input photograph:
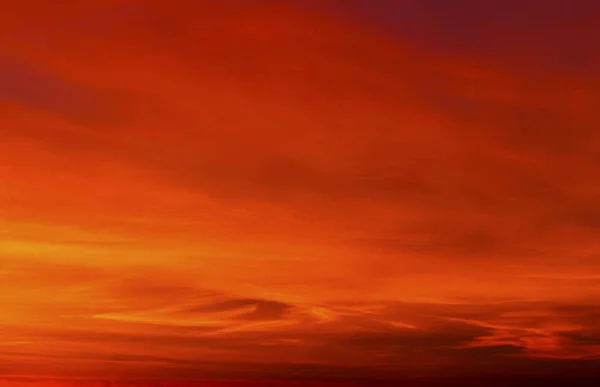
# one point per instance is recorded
(272, 190)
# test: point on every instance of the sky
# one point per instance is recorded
(298, 192)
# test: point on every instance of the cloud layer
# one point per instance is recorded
(297, 191)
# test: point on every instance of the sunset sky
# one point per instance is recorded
(302, 191)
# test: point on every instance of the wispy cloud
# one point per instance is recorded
(282, 190)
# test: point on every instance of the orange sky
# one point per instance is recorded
(295, 190)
